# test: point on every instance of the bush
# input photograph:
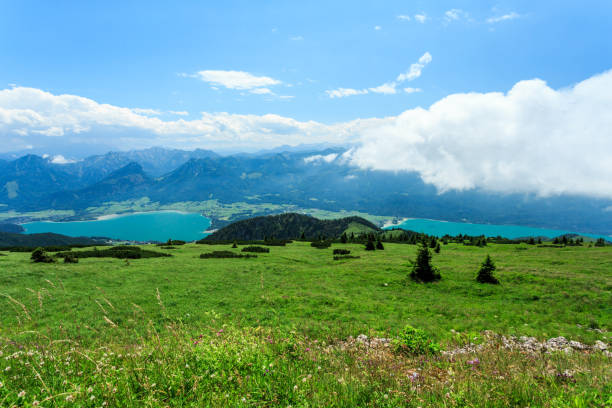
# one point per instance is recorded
(422, 269)
(257, 249)
(39, 255)
(340, 251)
(370, 246)
(379, 245)
(320, 244)
(119, 251)
(70, 258)
(600, 242)
(485, 274)
(225, 254)
(416, 342)
(437, 248)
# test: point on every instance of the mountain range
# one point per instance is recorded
(310, 179)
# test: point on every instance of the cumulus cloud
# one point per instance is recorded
(410, 90)
(59, 159)
(454, 15)
(388, 88)
(403, 17)
(531, 139)
(504, 17)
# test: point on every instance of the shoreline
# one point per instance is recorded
(394, 223)
(115, 215)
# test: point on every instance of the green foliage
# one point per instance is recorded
(70, 258)
(119, 252)
(600, 242)
(379, 245)
(40, 256)
(485, 273)
(257, 249)
(370, 246)
(320, 244)
(422, 269)
(437, 248)
(225, 254)
(341, 251)
(416, 342)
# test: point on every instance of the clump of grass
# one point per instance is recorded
(416, 342)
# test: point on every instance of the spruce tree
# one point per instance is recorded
(370, 245)
(437, 248)
(485, 274)
(422, 269)
(379, 245)
(343, 238)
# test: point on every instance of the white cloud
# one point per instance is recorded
(510, 16)
(531, 139)
(261, 91)
(296, 38)
(320, 158)
(236, 79)
(421, 18)
(342, 92)
(179, 113)
(377, 28)
(410, 90)
(388, 88)
(148, 112)
(415, 69)
(454, 15)
(59, 159)
(403, 17)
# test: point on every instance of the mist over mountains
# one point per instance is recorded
(306, 178)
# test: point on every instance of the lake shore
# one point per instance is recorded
(394, 222)
(112, 216)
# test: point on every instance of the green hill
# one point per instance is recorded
(8, 239)
(290, 226)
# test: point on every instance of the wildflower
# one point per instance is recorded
(1, 384)
(295, 387)
(474, 363)
(70, 398)
(7, 369)
(385, 396)
(307, 349)
(89, 390)
(93, 397)
(243, 399)
(35, 403)
(304, 379)
(21, 394)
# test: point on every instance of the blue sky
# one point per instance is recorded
(131, 53)
(510, 96)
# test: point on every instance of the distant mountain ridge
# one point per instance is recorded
(289, 226)
(304, 179)
(8, 239)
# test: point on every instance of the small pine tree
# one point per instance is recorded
(485, 274)
(437, 248)
(39, 255)
(422, 269)
(370, 245)
(433, 242)
(379, 245)
(303, 236)
(600, 242)
(343, 238)
(235, 245)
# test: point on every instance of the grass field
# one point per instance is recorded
(204, 332)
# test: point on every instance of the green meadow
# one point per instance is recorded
(275, 330)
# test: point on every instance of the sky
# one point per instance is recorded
(506, 95)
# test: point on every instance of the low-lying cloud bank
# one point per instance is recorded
(532, 139)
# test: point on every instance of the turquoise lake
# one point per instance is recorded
(152, 226)
(440, 228)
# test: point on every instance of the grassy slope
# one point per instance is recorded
(256, 332)
(545, 291)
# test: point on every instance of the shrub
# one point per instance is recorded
(70, 258)
(39, 255)
(416, 342)
(320, 244)
(379, 245)
(225, 254)
(437, 248)
(340, 251)
(485, 274)
(600, 242)
(235, 245)
(258, 249)
(119, 252)
(422, 269)
(370, 246)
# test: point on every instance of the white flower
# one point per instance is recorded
(21, 394)
(295, 387)
(8, 368)
(90, 390)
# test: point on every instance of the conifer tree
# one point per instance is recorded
(437, 248)
(379, 245)
(343, 238)
(370, 245)
(422, 269)
(485, 274)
